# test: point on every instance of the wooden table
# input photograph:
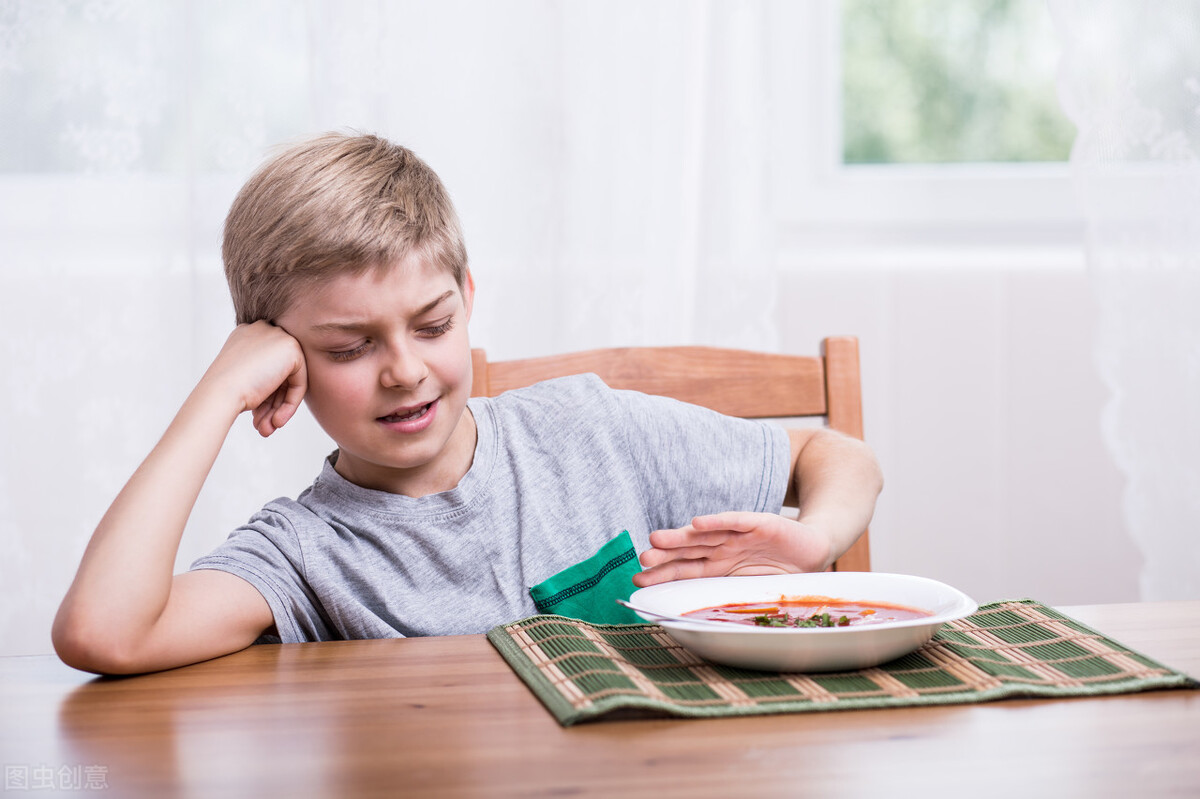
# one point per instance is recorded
(446, 716)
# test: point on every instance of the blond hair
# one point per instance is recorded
(332, 205)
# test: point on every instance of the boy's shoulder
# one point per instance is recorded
(585, 409)
(571, 390)
(560, 408)
(586, 383)
(587, 393)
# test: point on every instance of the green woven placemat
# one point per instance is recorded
(583, 671)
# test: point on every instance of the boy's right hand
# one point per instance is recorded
(125, 611)
(263, 367)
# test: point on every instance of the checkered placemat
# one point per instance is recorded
(583, 671)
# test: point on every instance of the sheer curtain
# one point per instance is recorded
(606, 157)
(1130, 80)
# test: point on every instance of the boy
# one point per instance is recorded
(349, 277)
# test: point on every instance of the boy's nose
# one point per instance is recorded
(403, 369)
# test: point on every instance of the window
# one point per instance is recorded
(950, 82)
(854, 165)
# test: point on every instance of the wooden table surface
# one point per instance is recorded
(447, 717)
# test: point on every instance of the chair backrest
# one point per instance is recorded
(734, 382)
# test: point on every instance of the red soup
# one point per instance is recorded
(808, 611)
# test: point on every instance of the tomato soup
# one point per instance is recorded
(808, 611)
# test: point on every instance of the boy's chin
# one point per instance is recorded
(416, 472)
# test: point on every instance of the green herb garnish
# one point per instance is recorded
(787, 620)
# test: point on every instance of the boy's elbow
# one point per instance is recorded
(87, 648)
(876, 474)
(858, 454)
(869, 468)
(75, 650)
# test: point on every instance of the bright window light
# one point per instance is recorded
(940, 82)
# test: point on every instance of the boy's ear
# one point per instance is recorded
(468, 293)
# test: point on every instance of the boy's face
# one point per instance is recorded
(389, 373)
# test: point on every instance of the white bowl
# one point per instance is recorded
(805, 649)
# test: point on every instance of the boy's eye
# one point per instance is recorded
(348, 354)
(438, 330)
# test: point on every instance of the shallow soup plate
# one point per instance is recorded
(805, 648)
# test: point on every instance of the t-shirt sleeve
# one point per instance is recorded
(266, 552)
(693, 461)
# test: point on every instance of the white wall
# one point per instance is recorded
(983, 404)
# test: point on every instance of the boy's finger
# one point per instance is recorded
(265, 421)
(687, 537)
(283, 415)
(739, 521)
(260, 413)
(674, 570)
(285, 406)
(289, 398)
(656, 557)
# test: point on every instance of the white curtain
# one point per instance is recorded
(607, 159)
(1130, 81)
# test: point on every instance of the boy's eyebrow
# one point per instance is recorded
(424, 309)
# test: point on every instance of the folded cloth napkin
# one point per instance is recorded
(589, 590)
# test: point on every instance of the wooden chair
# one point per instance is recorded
(733, 382)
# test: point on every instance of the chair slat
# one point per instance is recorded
(733, 382)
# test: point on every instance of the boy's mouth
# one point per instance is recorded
(402, 415)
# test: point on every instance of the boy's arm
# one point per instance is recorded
(126, 612)
(834, 482)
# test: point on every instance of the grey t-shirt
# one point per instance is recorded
(560, 468)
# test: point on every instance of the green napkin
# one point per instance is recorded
(589, 590)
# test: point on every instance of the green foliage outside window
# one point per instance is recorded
(950, 81)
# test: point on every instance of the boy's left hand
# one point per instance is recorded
(734, 543)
